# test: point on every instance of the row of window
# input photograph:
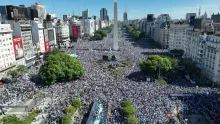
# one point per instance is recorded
(5, 39)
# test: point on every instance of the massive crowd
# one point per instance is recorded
(152, 101)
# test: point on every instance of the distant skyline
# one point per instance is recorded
(136, 9)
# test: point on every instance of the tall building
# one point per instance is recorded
(85, 14)
(161, 30)
(188, 15)
(125, 18)
(177, 36)
(7, 52)
(216, 18)
(38, 35)
(23, 29)
(41, 10)
(103, 14)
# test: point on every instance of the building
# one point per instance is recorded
(188, 15)
(215, 18)
(62, 33)
(125, 18)
(193, 45)
(38, 35)
(103, 14)
(211, 58)
(90, 26)
(161, 30)
(85, 14)
(177, 36)
(7, 52)
(41, 10)
(23, 29)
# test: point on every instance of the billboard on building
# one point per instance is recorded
(18, 47)
(47, 46)
(192, 21)
(76, 31)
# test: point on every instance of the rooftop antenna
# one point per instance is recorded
(125, 8)
(53, 6)
(78, 7)
(199, 11)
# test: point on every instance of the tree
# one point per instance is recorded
(163, 82)
(132, 120)
(13, 74)
(76, 103)
(126, 103)
(11, 119)
(66, 119)
(70, 110)
(22, 69)
(129, 110)
(156, 65)
(60, 67)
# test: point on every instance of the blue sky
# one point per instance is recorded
(135, 8)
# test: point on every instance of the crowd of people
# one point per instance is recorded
(152, 101)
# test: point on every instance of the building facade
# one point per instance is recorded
(161, 30)
(103, 14)
(188, 15)
(7, 53)
(177, 36)
(125, 18)
(38, 35)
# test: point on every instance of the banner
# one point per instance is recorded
(18, 47)
(47, 46)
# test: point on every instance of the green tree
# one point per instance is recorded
(76, 103)
(11, 119)
(156, 65)
(60, 67)
(66, 119)
(163, 82)
(70, 110)
(132, 120)
(22, 69)
(13, 74)
(129, 110)
(126, 103)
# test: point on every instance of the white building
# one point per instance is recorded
(38, 35)
(193, 46)
(7, 53)
(62, 31)
(41, 9)
(161, 30)
(177, 36)
(211, 58)
(90, 26)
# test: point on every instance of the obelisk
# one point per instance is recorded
(115, 42)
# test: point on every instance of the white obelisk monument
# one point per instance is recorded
(115, 42)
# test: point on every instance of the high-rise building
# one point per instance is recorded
(125, 18)
(85, 14)
(38, 35)
(41, 9)
(188, 15)
(103, 14)
(7, 52)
